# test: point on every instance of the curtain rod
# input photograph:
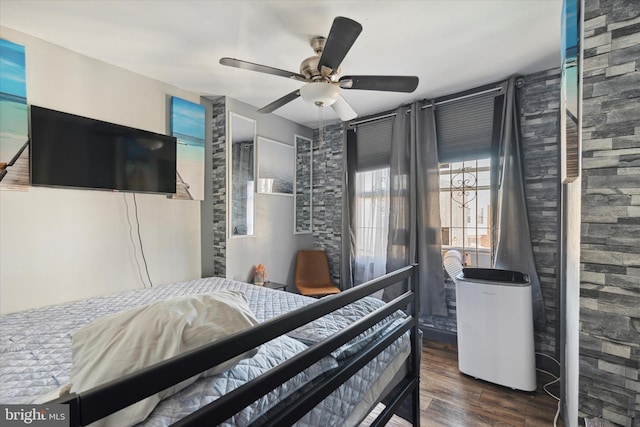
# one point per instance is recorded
(458, 98)
(372, 119)
(446, 101)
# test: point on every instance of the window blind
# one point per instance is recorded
(465, 128)
(373, 144)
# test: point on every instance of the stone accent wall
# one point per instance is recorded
(610, 254)
(327, 194)
(303, 195)
(539, 106)
(540, 100)
(219, 177)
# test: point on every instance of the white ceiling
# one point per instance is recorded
(451, 45)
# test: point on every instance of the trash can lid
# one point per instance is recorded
(495, 275)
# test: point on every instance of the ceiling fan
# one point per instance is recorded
(321, 73)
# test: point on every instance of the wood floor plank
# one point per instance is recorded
(450, 391)
(464, 414)
(449, 398)
(529, 404)
(537, 422)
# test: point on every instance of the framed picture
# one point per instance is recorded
(14, 118)
(303, 186)
(275, 167)
(187, 125)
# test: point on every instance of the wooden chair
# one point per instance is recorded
(312, 274)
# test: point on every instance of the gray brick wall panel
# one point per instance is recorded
(219, 173)
(539, 123)
(327, 194)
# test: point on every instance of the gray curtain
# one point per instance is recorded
(432, 296)
(414, 213)
(512, 238)
(401, 246)
(348, 208)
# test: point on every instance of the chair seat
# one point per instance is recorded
(316, 290)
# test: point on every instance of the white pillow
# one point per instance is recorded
(125, 342)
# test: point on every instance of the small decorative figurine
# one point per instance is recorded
(260, 275)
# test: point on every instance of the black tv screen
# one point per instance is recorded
(73, 151)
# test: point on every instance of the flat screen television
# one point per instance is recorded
(73, 151)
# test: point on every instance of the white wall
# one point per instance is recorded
(58, 245)
(274, 243)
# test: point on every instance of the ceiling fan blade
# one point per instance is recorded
(280, 102)
(245, 65)
(343, 110)
(342, 35)
(384, 83)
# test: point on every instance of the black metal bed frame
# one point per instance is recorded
(92, 405)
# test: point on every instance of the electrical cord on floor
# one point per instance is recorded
(544, 387)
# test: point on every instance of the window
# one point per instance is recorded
(468, 126)
(372, 224)
(370, 147)
(465, 210)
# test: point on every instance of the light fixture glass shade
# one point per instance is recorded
(344, 110)
(320, 93)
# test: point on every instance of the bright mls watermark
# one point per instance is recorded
(34, 415)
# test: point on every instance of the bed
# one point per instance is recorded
(302, 361)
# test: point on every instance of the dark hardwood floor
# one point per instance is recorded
(450, 398)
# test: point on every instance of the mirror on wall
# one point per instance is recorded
(242, 133)
(303, 187)
(570, 93)
(275, 167)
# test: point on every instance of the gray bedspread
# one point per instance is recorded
(35, 354)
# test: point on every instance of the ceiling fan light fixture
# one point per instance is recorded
(322, 94)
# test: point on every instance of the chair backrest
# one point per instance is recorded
(452, 261)
(312, 266)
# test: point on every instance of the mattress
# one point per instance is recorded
(35, 353)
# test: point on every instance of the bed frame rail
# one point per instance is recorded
(92, 405)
